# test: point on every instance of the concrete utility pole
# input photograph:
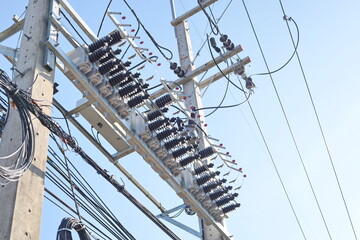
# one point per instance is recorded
(191, 90)
(21, 201)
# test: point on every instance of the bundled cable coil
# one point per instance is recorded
(64, 230)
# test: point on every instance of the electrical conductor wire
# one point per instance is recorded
(319, 123)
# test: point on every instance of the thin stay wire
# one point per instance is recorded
(319, 123)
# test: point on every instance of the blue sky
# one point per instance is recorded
(328, 49)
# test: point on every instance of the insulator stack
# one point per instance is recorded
(105, 68)
(158, 124)
(98, 44)
(163, 101)
(218, 193)
(115, 38)
(165, 134)
(227, 42)
(211, 185)
(126, 82)
(224, 200)
(116, 70)
(98, 54)
(206, 152)
(127, 90)
(136, 101)
(106, 58)
(117, 79)
(187, 160)
(204, 178)
(203, 168)
(230, 208)
(155, 114)
(181, 151)
(173, 143)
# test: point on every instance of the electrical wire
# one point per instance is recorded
(319, 123)
(262, 135)
(89, 205)
(90, 225)
(211, 21)
(28, 105)
(21, 159)
(73, 27)
(292, 134)
(228, 106)
(69, 177)
(103, 18)
(87, 187)
(158, 46)
(292, 55)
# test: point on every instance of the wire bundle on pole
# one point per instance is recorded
(28, 105)
(64, 230)
(18, 162)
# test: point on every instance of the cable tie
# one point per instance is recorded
(80, 229)
(64, 229)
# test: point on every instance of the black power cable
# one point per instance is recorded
(103, 18)
(291, 57)
(93, 228)
(92, 209)
(211, 21)
(228, 106)
(73, 27)
(158, 46)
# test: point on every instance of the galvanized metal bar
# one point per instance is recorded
(171, 210)
(13, 29)
(192, 12)
(182, 226)
(8, 51)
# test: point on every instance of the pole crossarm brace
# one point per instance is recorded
(134, 140)
(8, 51)
(188, 77)
(166, 217)
(16, 27)
(192, 12)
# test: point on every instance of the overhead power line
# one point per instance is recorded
(319, 124)
(291, 132)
